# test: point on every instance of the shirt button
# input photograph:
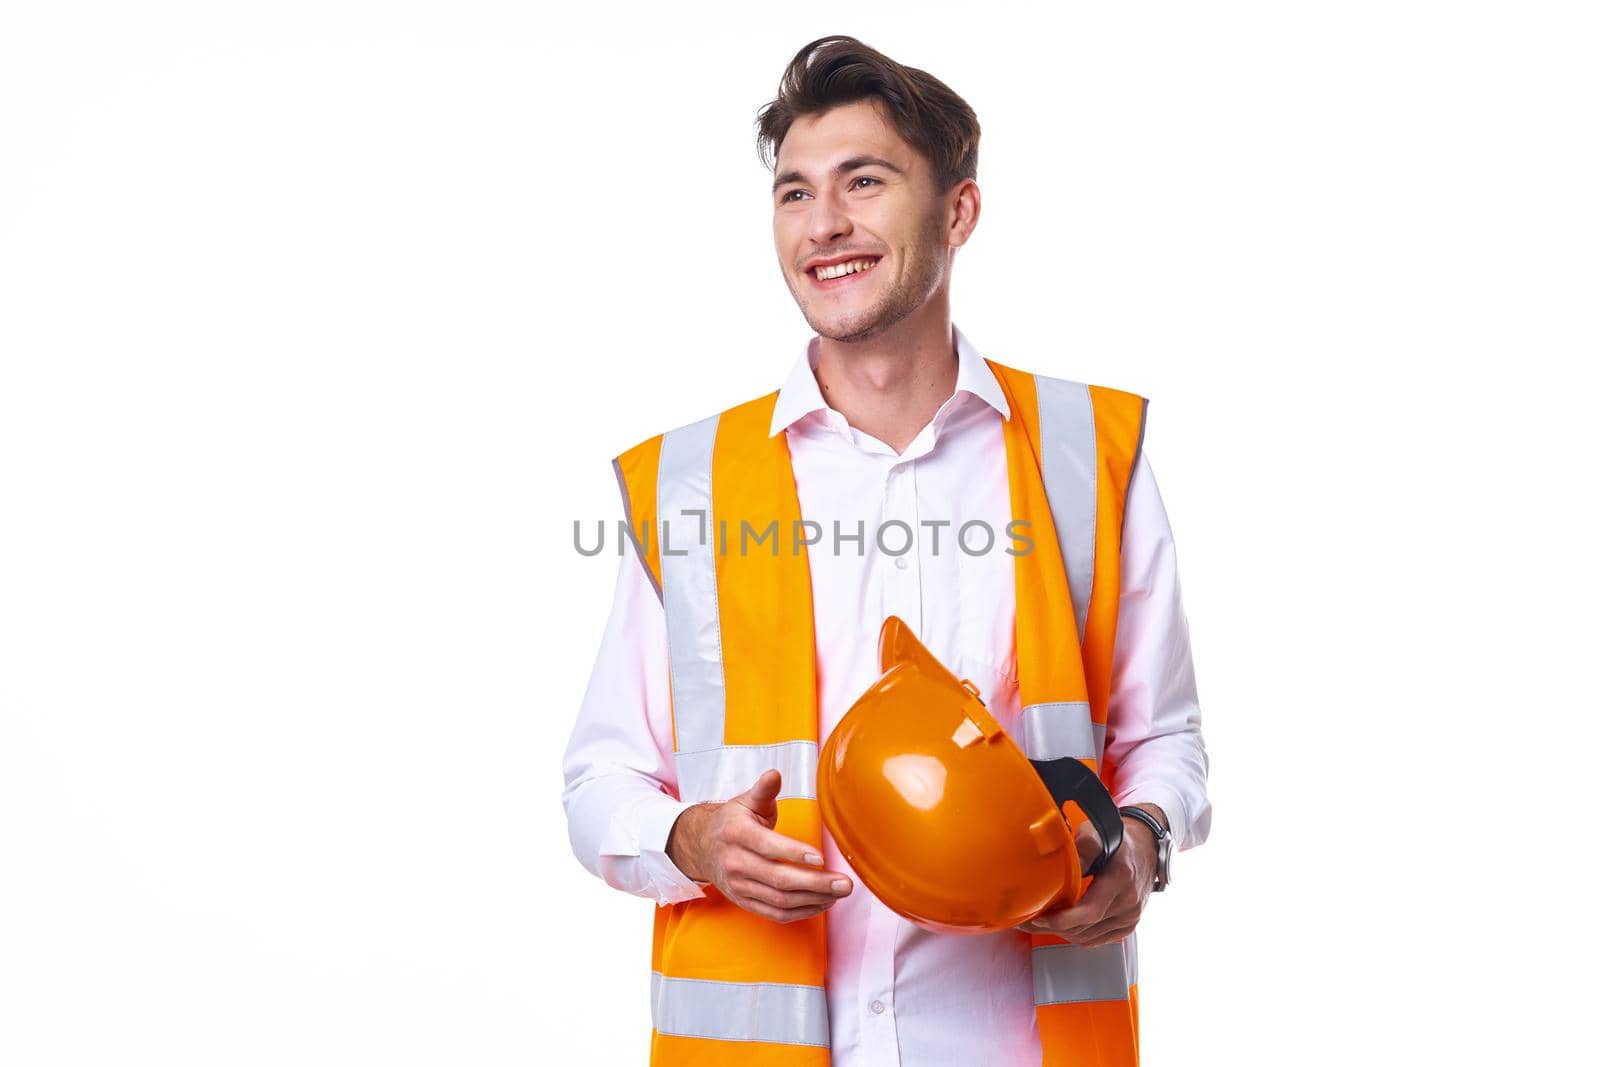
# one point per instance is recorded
(900, 561)
(877, 1007)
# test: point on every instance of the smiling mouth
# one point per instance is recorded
(838, 273)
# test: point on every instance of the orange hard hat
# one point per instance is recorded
(941, 813)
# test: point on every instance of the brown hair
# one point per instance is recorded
(836, 70)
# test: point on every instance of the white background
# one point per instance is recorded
(321, 322)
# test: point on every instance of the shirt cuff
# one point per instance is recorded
(1169, 800)
(655, 826)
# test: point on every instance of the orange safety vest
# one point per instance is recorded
(729, 987)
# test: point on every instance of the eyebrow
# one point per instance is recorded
(853, 163)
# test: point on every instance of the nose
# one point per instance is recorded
(829, 220)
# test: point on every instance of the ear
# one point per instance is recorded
(965, 207)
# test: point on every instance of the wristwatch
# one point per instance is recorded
(1163, 845)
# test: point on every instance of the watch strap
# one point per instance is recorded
(1163, 841)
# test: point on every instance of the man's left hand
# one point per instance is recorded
(1110, 908)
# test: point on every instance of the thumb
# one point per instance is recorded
(762, 797)
(1088, 844)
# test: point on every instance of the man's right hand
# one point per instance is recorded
(733, 846)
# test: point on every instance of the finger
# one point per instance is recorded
(796, 878)
(772, 845)
(1103, 933)
(762, 797)
(746, 863)
(1110, 928)
(777, 915)
(1054, 924)
(1040, 924)
(1092, 907)
(790, 878)
(1119, 907)
(779, 898)
(1088, 844)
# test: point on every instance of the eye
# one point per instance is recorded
(788, 197)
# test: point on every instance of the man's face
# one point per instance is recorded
(879, 207)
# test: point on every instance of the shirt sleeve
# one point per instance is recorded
(1153, 722)
(621, 792)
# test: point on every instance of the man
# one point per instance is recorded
(690, 774)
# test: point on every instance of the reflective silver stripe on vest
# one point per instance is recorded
(1071, 974)
(1069, 463)
(1061, 728)
(717, 774)
(739, 1011)
(689, 584)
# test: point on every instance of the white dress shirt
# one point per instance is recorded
(898, 994)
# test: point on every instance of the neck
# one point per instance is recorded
(891, 384)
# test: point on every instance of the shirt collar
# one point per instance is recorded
(800, 394)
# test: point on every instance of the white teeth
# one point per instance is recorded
(839, 270)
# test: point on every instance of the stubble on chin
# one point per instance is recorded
(857, 326)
